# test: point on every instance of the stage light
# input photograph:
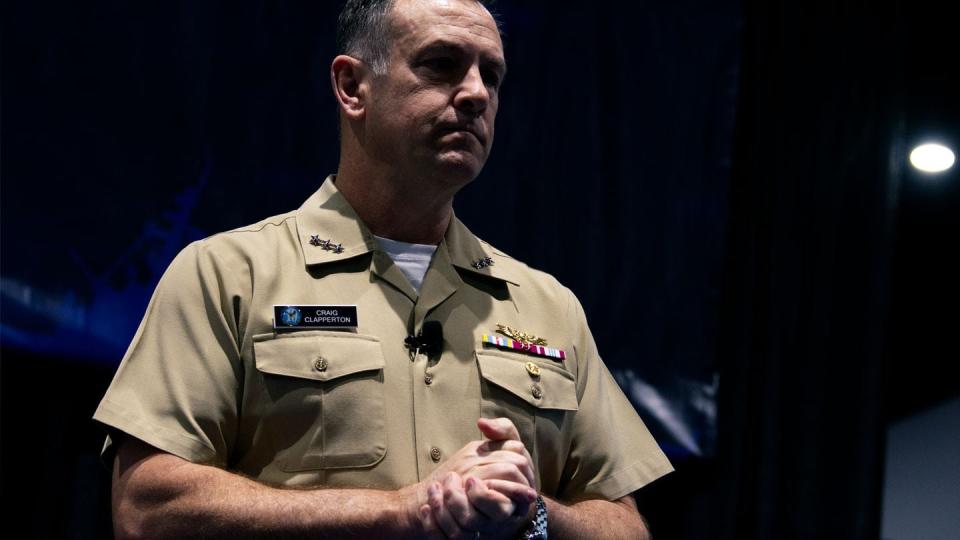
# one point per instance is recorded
(932, 158)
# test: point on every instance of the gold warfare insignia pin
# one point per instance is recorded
(522, 337)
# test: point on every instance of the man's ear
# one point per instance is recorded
(350, 78)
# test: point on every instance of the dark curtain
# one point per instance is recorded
(813, 196)
(132, 128)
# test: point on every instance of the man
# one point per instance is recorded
(364, 366)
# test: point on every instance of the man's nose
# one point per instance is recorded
(473, 96)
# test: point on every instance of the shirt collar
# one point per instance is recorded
(469, 253)
(329, 230)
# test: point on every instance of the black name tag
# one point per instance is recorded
(312, 317)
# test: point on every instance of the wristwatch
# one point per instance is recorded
(538, 527)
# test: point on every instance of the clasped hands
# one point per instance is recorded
(487, 487)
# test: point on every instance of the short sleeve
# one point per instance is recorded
(612, 453)
(178, 384)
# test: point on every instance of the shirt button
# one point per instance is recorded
(320, 364)
(536, 391)
(428, 378)
(435, 454)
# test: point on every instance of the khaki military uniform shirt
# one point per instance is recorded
(207, 377)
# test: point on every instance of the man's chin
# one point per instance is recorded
(460, 166)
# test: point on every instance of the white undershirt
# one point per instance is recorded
(412, 259)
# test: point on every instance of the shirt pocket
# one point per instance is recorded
(538, 403)
(326, 399)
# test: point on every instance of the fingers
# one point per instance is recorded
(456, 503)
(510, 452)
(467, 516)
(441, 514)
(504, 454)
(429, 524)
(498, 429)
(501, 471)
(503, 437)
(520, 495)
(496, 506)
(452, 510)
(504, 445)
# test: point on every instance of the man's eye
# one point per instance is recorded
(491, 78)
(441, 63)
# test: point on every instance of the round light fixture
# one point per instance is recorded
(932, 158)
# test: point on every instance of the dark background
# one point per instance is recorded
(723, 184)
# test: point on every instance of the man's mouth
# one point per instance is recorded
(469, 130)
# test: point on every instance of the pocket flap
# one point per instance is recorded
(553, 388)
(319, 357)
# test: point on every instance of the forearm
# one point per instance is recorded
(595, 519)
(164, 496)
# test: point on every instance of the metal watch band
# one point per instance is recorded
(538, 527)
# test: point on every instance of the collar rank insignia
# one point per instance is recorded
(327, 245)
(521, 341)
(480, 264)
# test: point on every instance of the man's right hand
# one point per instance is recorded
(487, 486)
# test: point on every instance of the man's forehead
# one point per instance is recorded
(423, 20)
(474, 6)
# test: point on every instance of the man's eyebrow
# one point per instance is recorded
(442, 45)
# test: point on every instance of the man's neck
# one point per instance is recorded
(397, 208)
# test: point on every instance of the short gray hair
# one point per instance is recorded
(363, 31)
